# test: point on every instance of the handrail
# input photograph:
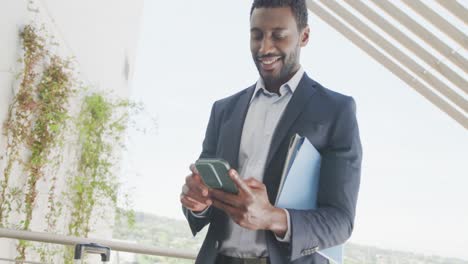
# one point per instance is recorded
(21, 261)
(114, 245)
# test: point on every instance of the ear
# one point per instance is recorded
(305, 36)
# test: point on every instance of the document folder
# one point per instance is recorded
(299, 185)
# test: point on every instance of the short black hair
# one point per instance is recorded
(298, 8)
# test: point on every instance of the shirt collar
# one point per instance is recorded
(291, 84)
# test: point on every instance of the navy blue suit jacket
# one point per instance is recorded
(328, 120)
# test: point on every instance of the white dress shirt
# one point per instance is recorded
(264, 114)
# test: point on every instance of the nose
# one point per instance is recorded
(266, 46)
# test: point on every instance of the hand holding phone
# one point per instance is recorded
(214, 173)
(194, 194)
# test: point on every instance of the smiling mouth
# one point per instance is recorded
(269, 63)
(269, 60)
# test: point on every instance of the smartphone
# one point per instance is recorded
(214, 173)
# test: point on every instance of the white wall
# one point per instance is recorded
(101, 36)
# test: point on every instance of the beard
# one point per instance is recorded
(290, 64)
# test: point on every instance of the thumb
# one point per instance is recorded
(254, 183)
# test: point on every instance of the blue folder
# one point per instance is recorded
(299, 185)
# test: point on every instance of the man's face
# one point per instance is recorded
(275, 43)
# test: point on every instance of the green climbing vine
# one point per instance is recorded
(53, 93)
(100, 125)
(18, 126)
(37, 120)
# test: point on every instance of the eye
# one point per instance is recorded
(256, 35)
(279, 36)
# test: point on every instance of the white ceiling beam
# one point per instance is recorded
(396, 53)
(423, 33)
(455, 8)
(438, 21)
(410, 44)
(388, 63)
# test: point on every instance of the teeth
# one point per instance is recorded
(269, 61)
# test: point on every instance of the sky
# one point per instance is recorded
(413, 193)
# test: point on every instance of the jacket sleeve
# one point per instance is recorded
(332, 223)
(208, 151)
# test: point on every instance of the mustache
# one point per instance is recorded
(268, 55)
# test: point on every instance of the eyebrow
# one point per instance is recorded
(274, 29)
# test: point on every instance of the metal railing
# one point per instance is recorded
(21, 261)
(114, 245)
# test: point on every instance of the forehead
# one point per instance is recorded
(267, 18)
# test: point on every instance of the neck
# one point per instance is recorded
(274, 86)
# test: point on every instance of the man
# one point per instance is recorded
(252, 129)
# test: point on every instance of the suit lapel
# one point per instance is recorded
(299, 100)
(234, 127)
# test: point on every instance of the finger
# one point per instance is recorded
(198, 185)
(187, 203)
(194, 177)
(185, 189)
(194, 207)
(188, 191)
(196, 196)
(193, 169)
(226, 198)
(206, 202)
(239, 182)
(195, 182)
(193, 204)
(233, 213)
(225, 207)
(254, 183)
